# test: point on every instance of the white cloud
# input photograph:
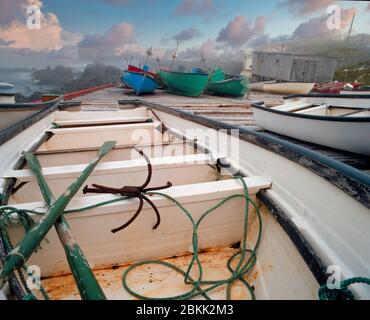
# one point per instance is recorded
(240, 31)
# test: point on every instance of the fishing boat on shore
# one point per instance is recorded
(284, 88)
(141, 83)
(110, 205)
(133, 68)
(340, 122)
(140, 80)
(182, 83)
(227, 85)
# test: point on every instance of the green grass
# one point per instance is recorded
(353, 73)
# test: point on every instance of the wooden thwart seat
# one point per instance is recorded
(91, 137)
(91, 122)
(140, 241)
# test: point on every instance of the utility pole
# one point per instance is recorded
(350, 29)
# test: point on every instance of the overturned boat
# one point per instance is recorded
(340, 122)
(130, 203)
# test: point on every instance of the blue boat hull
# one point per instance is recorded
(139, 82)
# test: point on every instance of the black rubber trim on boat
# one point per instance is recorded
(262, 107)
(350, 180)
(11, 132)
(314, 263)
(328, 95)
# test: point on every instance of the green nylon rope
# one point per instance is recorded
(9, 247)
(343, 293)
(238, 273)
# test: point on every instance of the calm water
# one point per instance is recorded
(22, 81)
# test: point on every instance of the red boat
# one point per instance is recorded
(334, 87)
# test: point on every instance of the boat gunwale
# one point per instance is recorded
(144, 74)
(262, 106)
(28, 105)
(10, 132)
(232, 79)
(328, 95)
(307, 252)
(185, 73)
(350, 180)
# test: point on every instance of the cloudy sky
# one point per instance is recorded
(75, 32)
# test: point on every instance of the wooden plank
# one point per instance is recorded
(134, 173)
(108, 128)
(90, 122)
(91, 137)
(68, 115)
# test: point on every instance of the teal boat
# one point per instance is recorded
(186, 84)
(227, 85)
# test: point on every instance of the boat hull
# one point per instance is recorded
(310, 214)
(283, 87)
(234, 87)
(357, 92)
(288, 88)
(342, 133)
(13, 113)
(186, 84)
(141, 83)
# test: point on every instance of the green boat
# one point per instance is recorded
(186, 84)
(227, 85)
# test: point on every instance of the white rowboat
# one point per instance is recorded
(284, 88)
(298, 240)
(333, 121)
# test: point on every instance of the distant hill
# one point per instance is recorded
(357, 72)
(357, 50)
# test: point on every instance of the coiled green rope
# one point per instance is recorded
(343, 293)
(238, 273)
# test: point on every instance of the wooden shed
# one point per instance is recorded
(292, 67)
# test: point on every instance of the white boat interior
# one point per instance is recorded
(332, 121)
(293, 248)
